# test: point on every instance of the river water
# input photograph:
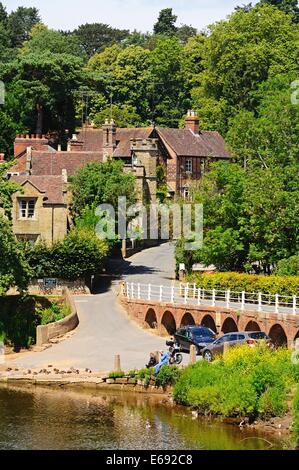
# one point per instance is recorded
(44, 418)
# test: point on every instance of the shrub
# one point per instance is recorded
(80, 255)
(168, 375)
(288, 267)
(282, 285)
(118, 374)
(245, 382)
(296, 414)
(53, 313)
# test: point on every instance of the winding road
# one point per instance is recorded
(105, 329)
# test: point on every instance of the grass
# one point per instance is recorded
(246, 382)
(57, 311)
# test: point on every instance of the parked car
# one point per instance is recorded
(200, 336)
(230, 340)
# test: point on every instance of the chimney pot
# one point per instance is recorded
(192, 122)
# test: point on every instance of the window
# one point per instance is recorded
(27, 208)
(186, 193)
(188, 166)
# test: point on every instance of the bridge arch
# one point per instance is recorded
(151, 318)
(297, 336)
(168, 324)
(278, 335)
(209, 322)
(187, 319)
(229, 325)
(252, 326)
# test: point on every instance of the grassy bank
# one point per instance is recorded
(247, 382)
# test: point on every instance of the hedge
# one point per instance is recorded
(238, 282)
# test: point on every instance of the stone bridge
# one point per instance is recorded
(165, 318)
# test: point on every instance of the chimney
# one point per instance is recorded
(192, 122)
(35, 141)
(109, 139)
(2, 159)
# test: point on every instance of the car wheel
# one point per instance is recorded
(178, 358)
(208, 356)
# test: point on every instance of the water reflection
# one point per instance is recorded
(47, 419)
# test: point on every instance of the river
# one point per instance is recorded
(42, 418)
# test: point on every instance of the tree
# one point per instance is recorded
(14, 268)
(287, 6)
(166, 23)
(185, 32)
(124, 115)
(3, 14)
(288, 267)
(79, 256)
(20, 23)
(44, 79)
(239, 55)
(43, 39)
(7, 188)
(98, 183)
(166, 82)
(94, 38)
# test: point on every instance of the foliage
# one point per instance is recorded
(95, 37)
(19, 24)
(246, 382)
(117, 374)
(14, 267)
(19, 319)
(99, 183)
(55, 312)
(166, 22)
(168, 375)
(7, 188)
(79, 256)
(288, 267)
(245, 227)
(296, 414)
(237, 282)
(123, 115)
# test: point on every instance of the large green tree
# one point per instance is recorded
(238, 55)
(166, 22)
(95, 37)
(19, 24)
(14, 268)
(98, 183)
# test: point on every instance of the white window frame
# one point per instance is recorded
(189, 165)
(26, 210)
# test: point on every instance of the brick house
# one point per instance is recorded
(185, 155)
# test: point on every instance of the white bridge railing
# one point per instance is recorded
(191, 295)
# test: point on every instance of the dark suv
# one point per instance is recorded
(229, 340)
(200, 336)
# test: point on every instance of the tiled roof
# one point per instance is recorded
(185, 143)
(92, 139)
(52, 186)
(123, 137)
(48, 163)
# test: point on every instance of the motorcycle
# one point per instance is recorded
(175, 356)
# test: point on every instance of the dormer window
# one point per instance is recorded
(27, 208)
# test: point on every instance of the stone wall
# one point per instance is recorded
(74, 287)
(44, 333)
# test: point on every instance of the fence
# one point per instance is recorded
(191, 295)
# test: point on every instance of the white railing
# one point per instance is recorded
(191, 295)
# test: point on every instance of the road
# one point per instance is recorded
(104, 329)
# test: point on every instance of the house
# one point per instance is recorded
(40, 210)
(185, 154)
